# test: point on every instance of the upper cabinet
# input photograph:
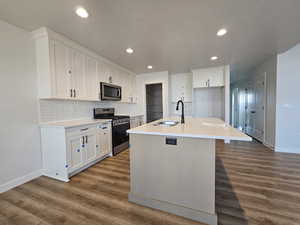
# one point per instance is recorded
(182, 87)
(209, 77)
(69, 71)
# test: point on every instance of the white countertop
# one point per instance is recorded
(210, 128)
(73, 123)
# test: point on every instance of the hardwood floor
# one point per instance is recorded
(253, 186)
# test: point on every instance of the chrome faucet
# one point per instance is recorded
(182, 110)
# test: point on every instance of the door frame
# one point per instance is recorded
(145, 97)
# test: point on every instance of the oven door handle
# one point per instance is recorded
(121, 124)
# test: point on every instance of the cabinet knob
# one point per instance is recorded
(78, 150)
(69, 72)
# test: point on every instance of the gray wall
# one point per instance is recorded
(20, 155)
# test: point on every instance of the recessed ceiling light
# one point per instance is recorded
(82, 12)
(150, 67)
(129, 50)
(222, 32)
(214, 58)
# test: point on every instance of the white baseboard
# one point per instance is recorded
(287, 150)
(20, 180)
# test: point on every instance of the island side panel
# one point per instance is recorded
(182, 174)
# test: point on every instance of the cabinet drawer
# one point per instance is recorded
(75, 131)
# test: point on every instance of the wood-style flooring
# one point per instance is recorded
(254, 186)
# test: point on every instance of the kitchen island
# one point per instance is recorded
(172, 167)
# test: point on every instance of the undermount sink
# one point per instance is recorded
(168, 123)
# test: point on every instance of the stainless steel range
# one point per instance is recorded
(120, 124)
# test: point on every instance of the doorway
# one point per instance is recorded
(154, 102)
(248, 107)
(255, 109)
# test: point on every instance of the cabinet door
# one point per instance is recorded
(92, 84)
(62, 70)
(133, 94)
(216, 78)
(103, 72)
(78, 78)
(105, 140)
(90, 147)
(200, 78)
(99, 147)
(126, 83)
(75, 147)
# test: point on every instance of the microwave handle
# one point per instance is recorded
(119, 93)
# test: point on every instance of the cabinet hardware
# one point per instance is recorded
(97, 146)
(86, 139)
(171, 141)
(208, 82)
(83, 141)
(74, 93)
(70, 71)
(85, 129)
(78, 150)
(71, 93)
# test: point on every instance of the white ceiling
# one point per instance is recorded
(173, 35)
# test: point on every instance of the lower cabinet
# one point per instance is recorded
(103, 140)
(136, 121)
(67, 151)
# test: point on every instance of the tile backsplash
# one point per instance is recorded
(57, 110)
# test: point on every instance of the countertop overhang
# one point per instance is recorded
(207, 128)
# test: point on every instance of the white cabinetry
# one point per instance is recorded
(104, 141)
(69, 71)
(182, 87)
(208, 77)
(67, 151)
(92, 84)
(136, 121)
(61, 85)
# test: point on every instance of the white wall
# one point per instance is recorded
(20, 155)
(288, 101)
(152, 78)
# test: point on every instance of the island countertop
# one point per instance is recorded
(208, 128)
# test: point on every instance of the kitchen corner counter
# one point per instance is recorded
(206, 128)
(73, 123)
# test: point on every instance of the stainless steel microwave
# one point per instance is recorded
(110, 92)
